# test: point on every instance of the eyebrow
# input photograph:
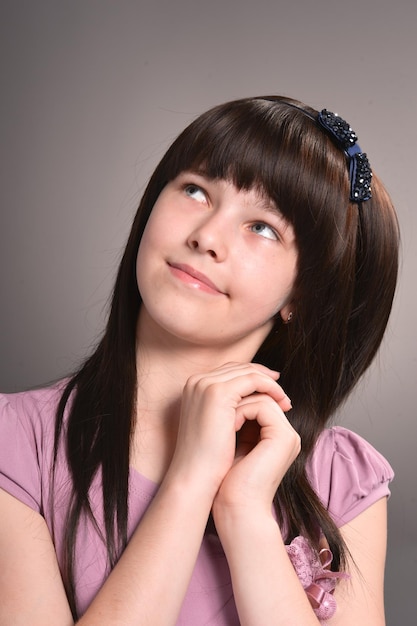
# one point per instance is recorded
(270, 208)
(267, 205)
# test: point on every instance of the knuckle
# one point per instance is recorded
(214, 391)
(191, 382)
(198, 380)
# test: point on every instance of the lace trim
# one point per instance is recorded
(317, 580)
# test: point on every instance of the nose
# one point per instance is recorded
(210, 237)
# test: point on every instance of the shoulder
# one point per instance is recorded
(27, 424)
(347, 473)
(32, 410)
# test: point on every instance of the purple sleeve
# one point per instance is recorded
(21, 444)
(348, 474)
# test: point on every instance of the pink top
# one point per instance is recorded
(346, 471)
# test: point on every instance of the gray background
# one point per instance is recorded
(93, 91)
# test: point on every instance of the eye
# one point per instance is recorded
(259, 228)
(195, 192)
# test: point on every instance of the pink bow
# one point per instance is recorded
(317, 581)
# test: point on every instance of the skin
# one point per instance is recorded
(198, 388)
(240, 242)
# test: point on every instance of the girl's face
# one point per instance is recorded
(215, 264)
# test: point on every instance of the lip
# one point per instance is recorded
(194, 278)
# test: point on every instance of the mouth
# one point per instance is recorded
(193, 278)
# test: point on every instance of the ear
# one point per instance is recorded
(287, 313)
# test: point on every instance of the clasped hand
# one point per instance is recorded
(234, 436)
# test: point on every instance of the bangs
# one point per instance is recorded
(240, 146)
(259, 143)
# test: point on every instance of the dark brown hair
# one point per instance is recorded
(347, 271)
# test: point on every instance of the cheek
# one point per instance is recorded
(141, 255)
(152, 238)
(144, 256)
(269, 285)
(158, 239)
(165, 227)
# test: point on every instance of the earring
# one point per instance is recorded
(289, 318)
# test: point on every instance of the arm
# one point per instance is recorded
(266, 588)
(154, 571)
(265, 585)
(362, 597)
(31, 589)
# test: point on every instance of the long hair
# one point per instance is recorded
(342, 296)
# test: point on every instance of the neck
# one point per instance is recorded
(165, 362)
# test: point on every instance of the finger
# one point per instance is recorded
(262, 409)
(235, 384)
(236, 365)
(271, 424)
(229, 371)
(280, 397)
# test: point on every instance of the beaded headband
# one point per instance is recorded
(360, 172)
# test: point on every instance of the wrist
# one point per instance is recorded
(244, 521)
(192, 482)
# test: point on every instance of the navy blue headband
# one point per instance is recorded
(360, 172)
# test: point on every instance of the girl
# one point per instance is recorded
(170, 480)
